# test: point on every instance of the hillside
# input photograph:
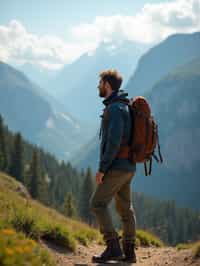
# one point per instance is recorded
(29, 109)
(27, 235)
(23, 218)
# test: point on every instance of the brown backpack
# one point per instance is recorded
(144, 137)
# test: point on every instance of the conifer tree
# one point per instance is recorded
(44, 186)
(16, 162)
(3, 152)
(69, 206)
(35, 175)
(86, 193)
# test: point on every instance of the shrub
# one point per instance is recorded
(23, 220)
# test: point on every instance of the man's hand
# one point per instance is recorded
(99, 176)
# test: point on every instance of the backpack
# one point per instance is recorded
(144, 134)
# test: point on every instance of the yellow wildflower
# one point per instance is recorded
(9, 251)
(19, 249)
(8, 231)
(27, 249)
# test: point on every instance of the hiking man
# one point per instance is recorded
(115, 173)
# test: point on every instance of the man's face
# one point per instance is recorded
(102, 88)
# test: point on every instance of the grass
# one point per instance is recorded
(182, 246)
(148, 239)
(35, 221)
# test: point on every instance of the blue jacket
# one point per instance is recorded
(115, 131)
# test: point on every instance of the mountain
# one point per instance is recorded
(76, 84)
(87, 155)
(178, 114)
(175, 100)
(26, 108)
(42, 75)
(175, 51)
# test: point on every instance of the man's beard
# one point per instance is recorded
(102, 93)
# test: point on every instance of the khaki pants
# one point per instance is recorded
(117, 184)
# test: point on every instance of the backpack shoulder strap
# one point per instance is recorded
(126, 101)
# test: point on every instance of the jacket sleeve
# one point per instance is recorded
(114, 136)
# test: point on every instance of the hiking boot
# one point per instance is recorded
(112, 252)
(129, 251)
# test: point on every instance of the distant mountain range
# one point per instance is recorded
(175, 101)
(76, 84)
(29, 109)
(42, 76)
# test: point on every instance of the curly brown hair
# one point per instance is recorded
(113, 77)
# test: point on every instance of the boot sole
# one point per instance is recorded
(106, 260)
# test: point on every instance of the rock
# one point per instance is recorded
(23, 191)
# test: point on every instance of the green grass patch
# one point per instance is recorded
(86, 236)
(59, 235)
(184, 246)
(147, 239)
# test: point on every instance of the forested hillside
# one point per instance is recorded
(28, 109)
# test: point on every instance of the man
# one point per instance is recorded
(115, 173)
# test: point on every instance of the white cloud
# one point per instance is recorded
(19, 46)
(152, 24)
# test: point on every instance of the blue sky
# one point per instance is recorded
(51, 16)
(50, 33)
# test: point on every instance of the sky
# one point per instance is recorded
(51, 33)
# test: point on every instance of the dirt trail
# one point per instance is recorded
(145, 256)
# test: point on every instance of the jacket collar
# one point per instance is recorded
(115, 95)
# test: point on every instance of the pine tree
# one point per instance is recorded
(69, 206)
(44, 186)
(16, 162)
(35, 175)
(3, 152)
(86, 193)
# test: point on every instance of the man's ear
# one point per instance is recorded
(107, 85)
